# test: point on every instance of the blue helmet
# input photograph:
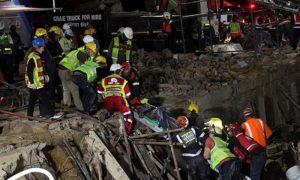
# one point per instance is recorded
(39, 42)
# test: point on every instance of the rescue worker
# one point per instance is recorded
(197, 36)
(92, 32)
(216, 150)
(259, 131)
(6, 55)
(115, 91)
(193, 115)
(57, 53)
(121, 48)
(103, 70)
(296, 30)
(35, 77)
(193, 139)
(67, 65)
(235, 30)
(133, 76)
(169, 31)
(84, 75)
(247, 150)
(66, 41)
(262, 34)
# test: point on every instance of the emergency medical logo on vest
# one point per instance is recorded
(187, 137)
(113, 81)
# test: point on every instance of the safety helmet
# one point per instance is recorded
(194, 107)
(2, 26)
(56, 30)
(38, 42)
(215, 122)
(128, 32)
(69, 32)
(90, 31)
(115, 67)
(247, 112)
(121, 30)
(87, 39)
(92, 46)
(167, 15)
(182, 121)
(101, 59)
(40, 32)
(126, 65)
(235, 127)
(66, 26)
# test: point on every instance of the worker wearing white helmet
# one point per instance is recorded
(115, 91)
(87, 39)
(6, 54)
(125, 54)
(66, 42)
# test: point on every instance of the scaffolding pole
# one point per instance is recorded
(181, 26)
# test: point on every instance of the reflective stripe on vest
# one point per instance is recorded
(38, 72)
(187, 137)
(71, 61)
(191, 154)
(219, 152)
(90, 69)
(255, 129)
(5, 42)
(116, 47)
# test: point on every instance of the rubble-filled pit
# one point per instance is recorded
(222, 85)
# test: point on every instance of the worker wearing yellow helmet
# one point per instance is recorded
(40, 32)
(103, 69)
(84, 76)
(56, 30)
(194, 114)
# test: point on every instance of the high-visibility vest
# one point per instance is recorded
(38, 72)
(219, 152)
(235, 30)
(114, 85)
(167, 27)
(187, 137)
(70, 61)
(4, 41)
(116, 48)
(89, 68)
(257, 130)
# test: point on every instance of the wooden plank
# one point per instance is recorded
(101, 152)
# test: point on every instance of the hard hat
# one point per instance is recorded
(56, 30)
(128, 32)
(40, 32)
(92, 46)
(66, 26)
(247, 112)
(235, 127)
(38, 42)
(215, 130)
(101, 59)
(194, 107)
(167, 15)
(121, 30)
(216, 122)
(69, 32)
(182, 121)
(2, 26)
(87, 39)
(126, 65)
(90, 31)
(115, 67)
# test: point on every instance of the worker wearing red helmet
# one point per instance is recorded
(259, 131)
(115, 91)
(247, 150)
(132, 75)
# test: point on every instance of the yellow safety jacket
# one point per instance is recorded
(89, 68)
(70, 61)
(116, 48)
(4, 41)
(38, 72)
(219, 152)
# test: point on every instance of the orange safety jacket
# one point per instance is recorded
(258, 130)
